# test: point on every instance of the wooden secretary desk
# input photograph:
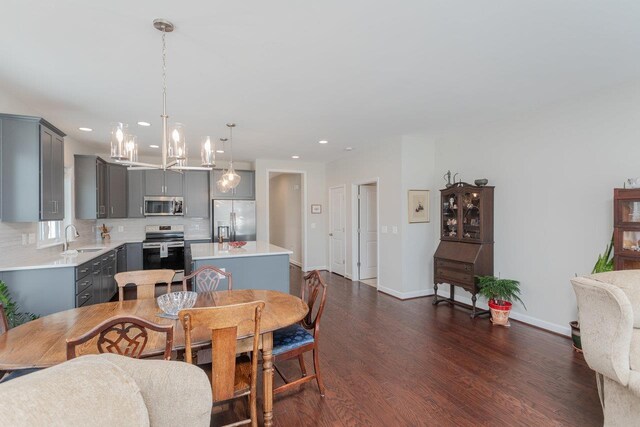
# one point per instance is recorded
(466, 241)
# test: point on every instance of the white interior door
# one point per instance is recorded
(368, 231)
(336, 230)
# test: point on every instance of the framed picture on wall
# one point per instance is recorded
(418, 206)
(316, 209)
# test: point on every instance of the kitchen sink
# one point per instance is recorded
(83, 250)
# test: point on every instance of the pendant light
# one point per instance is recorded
(208, 152)
(230, 179)
(174, 145)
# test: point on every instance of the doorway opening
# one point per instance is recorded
(365, 238)
(286, 213)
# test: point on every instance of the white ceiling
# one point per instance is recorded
(292, 72)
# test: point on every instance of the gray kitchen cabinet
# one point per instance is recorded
(121, 259)
(32, 165)
(109, 287)
(100, 188)
(246, 190)
(134, 256)
(51, 175)
(135, 205)
(163, 183)
(173, 183)
(196, 194)
(117, 186)
(154, 182)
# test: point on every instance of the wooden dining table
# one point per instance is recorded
(41, 342)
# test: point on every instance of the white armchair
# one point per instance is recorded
(609, 315)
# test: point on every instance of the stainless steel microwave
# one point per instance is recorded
(163, 206)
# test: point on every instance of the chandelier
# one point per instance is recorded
(124, 147)
(229, 179)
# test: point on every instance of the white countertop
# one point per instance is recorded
(200, 251)
(53, 258)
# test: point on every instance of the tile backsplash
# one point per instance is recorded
(133, 228)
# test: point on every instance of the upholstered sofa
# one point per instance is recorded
(108, 390)
(609, 315)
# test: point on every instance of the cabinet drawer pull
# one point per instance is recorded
(95, 264)
(85, 296)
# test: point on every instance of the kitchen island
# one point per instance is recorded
(257, 265)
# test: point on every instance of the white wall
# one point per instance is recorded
(420, 239)
(313, 184)
(554, 173)
(384, 164)
(285, 213)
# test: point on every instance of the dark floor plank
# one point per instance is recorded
(407, 363)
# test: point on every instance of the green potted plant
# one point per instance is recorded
(500, 294)
(11, 308)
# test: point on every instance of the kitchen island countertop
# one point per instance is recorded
(203, 251)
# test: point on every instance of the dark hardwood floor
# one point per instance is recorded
(388, 362)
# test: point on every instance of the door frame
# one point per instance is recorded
(355, 223)
(344, 220)
(303, 208)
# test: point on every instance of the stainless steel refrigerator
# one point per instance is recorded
(244, 225)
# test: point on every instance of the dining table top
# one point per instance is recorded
(42, 342)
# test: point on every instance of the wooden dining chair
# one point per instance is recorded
(145, 282)
(295, 340)
(123, 335)
(206, 279)
(231, 377)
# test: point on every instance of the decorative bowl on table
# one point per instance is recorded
(173, 302)
(237, 244)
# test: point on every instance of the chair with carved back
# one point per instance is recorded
(123, 335)
(231, 377)
(145, 282)
(4, 327)
(295, 340)
(206, 279)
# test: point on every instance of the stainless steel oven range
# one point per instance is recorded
(163, 247)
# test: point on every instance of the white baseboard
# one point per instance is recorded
(296, 263)
(543, 324)
(319, 268)
(405, 295)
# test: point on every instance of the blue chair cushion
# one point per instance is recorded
(16, 374)
(290, 338)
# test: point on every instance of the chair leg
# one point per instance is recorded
(316, 367)
(302, 367)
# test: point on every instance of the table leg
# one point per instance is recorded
(267, 377)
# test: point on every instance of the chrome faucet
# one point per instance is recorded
(75, 235)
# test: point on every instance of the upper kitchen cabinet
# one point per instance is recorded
(101, 188)
(163, 183)
(117, 187)
(136, 194)
(246, 190)
(196, 194)
(31, 169)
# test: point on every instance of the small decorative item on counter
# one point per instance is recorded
(481, 182)
(237, 244)
(104, 232)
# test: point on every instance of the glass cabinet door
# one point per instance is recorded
(631, 240)
(470, 202)
(450, 215)
(629, 211)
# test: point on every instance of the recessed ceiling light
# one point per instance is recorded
(144, 124)
(154, 146)
(348, 148)
(86, 129)
(295, 157)
(220, 151)
(324, 141)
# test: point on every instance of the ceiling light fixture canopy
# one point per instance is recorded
(229, 179)
(124, 147)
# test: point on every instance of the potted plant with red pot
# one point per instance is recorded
(501, 294)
